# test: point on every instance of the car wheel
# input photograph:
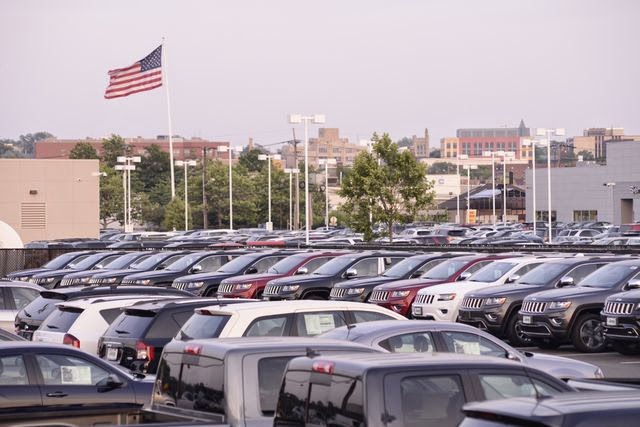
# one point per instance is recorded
(587, 334)
(514, 333)
(627, 348)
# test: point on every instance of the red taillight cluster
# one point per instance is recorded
(323, 367)
(144, 351)
(71, 340)
(193, 349)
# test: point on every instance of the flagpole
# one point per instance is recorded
(166, 81)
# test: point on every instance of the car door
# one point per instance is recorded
(75, 380)
(19, 389)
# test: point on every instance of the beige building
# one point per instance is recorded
(328, 145)
(595, 140)
(50, 199)
(420, 146)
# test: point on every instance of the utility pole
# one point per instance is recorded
(296, 211)
(205, 210)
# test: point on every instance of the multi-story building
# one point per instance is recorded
(420, 146)
(595, 140)
(328, 145)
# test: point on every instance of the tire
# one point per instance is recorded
(627, 348)
(515, 336)
(546, 344)
(586, 335)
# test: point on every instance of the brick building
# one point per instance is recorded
(328, 145)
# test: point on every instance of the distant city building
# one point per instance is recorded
(183, 148)
(420, 146)
(328, 145)
(594, 140)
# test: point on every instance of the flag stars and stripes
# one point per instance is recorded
(143, 75)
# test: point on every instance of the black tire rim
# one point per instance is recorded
(591, 334)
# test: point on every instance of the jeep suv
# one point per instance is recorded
(621, 319)
(572, 313)
(495, 308)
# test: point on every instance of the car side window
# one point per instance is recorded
(477, 266)
(369, 316)
(69, 370)
(428, 266)
(313, 264)
(525, 269)
(417, 342)
(467, 343)
(502, 386)
(212, 263)
(270, 371)
(23, 296)
(582, 271)
(12, 371)
(312, 324)
(432, 401)
(265, 263)
(367, 267)
(267, 327)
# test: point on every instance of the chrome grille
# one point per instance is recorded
(272, 289)
(424, 299)
(225, 287)
(379, 296)
(38, 280)
(618, 307)
(470, 302)
(66, 282)
(180, 285)
(338, 292)
(128, 282)
(533, 306)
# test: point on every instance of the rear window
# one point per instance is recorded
(202, 325)
(42, 306)
(270, 371)
(61, 319)
(130, 324)
(191, 382)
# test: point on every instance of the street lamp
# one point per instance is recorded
(224, 149)
(291, 171)
(493, 184)
(468, 168)
(549, 133)
(126, 167)
(297, 119)
(612, 186)
(505, 155)
(269, 157)
(458, 158)
(528, 142)
(326, 163)
(185, 163)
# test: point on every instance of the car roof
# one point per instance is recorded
(264, 307)
(158, 305)
(382, 327)
(106, 299)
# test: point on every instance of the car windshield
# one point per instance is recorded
(404, 267)
(236, 265)
(287, 264)
(336, 265)
(541, 276)
(89, 261)
(492, 272)
(184, 262)
(609, 276)
(123, 262)
(445, 270)
(60, 261)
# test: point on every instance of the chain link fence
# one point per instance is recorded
(19, 259)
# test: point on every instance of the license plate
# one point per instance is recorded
(526, 319)
(417, 311)
(112, 353)
(612, 321)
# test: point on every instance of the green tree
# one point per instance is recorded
(441, 168)
(388, 183)
(586, 155)
(174, 215)
(27, 142)
(249, 159)
(435, 153)
(113, 147)
(111, 196)
(83, 150)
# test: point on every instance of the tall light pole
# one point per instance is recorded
(185, 163)
(533, 143)
(493, 184)
(126, 167)
(549, 133)
(458, 158)
(291, 171)
(468, 168)
(269, 157)
(326, 163)
(505, 155)
(612, 186)
(297, 119)
(225, 149)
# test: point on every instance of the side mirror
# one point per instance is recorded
(633, 284)
(464, 276)
(351, 273)
(302, 270)
(512, 279)
(98, 267)
(416, 274)
(161, 266)
(566, 281)
(251, 270)
(196, 268)
(511, 356)
(109, 383)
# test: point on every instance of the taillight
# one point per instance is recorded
(71, 340)
(144, 351)
(192, 349)
(323, 367)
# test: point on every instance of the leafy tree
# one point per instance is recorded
(113, 147)
(111, 197)
(586, 155)
(174, 215)
(28, 142)
(435, 153)
(388, 183)
(8, 149)
(249, 159)
(441, 168)
(404, 142)
(83, 150)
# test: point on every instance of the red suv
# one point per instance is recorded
(399, 295)
(252, 285)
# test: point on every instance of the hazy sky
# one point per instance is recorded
(237, 68)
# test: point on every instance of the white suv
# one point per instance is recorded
(441, 302)
(279, 318)
(80, 323)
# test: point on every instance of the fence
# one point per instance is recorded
(19, 259)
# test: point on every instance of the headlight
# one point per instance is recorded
(355, 291)
(559, 305)
(23, 278)
(85, 279)
(143, 281)
(243, 286)
(446, 297)
(195, 285)
(399, 294)
(494, 301)
(290, 288)
(110, 280)
(49, 279)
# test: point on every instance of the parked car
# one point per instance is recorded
(81, 322)
(400, 294)
(345, 267)
(156, 261)
(420, 336)
(360, 289)
(15, 296)
(49, 384)
(400, 389)
(137, 336)
(252, 285)
(31, 316)
(81, 278)
(572, 313)
(621, 320)
(65, 260)
(495, 308)
(285, 318)
(51, 279)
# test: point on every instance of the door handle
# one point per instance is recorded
(57, 394)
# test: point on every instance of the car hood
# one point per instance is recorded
(203, 277)
(409, 284)
(28, 272)
(248, 278)
(55, 273)
(154, 274)
(299, 279)
(456, 287)
(566, 292)
(562, 367)
(505, 290)
(80, 274)
(114, 273)
(364, 282)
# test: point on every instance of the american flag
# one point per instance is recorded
(145, 74)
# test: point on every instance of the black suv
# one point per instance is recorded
(52, 278)
(81, 278)
(318, 284)
(572, 313)
(61, 261)
(206, 284)
(621, 320)
(30, 317)
(136, 338)
(157, 261)
(495, 308)
(359, 290)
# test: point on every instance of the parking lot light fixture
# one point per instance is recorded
(268, 158)
(185, 163)
(493, 184)
(224, 149)
(326, 163)
(458, 158)
(468, 168)
(291, 171)
(549, 133)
